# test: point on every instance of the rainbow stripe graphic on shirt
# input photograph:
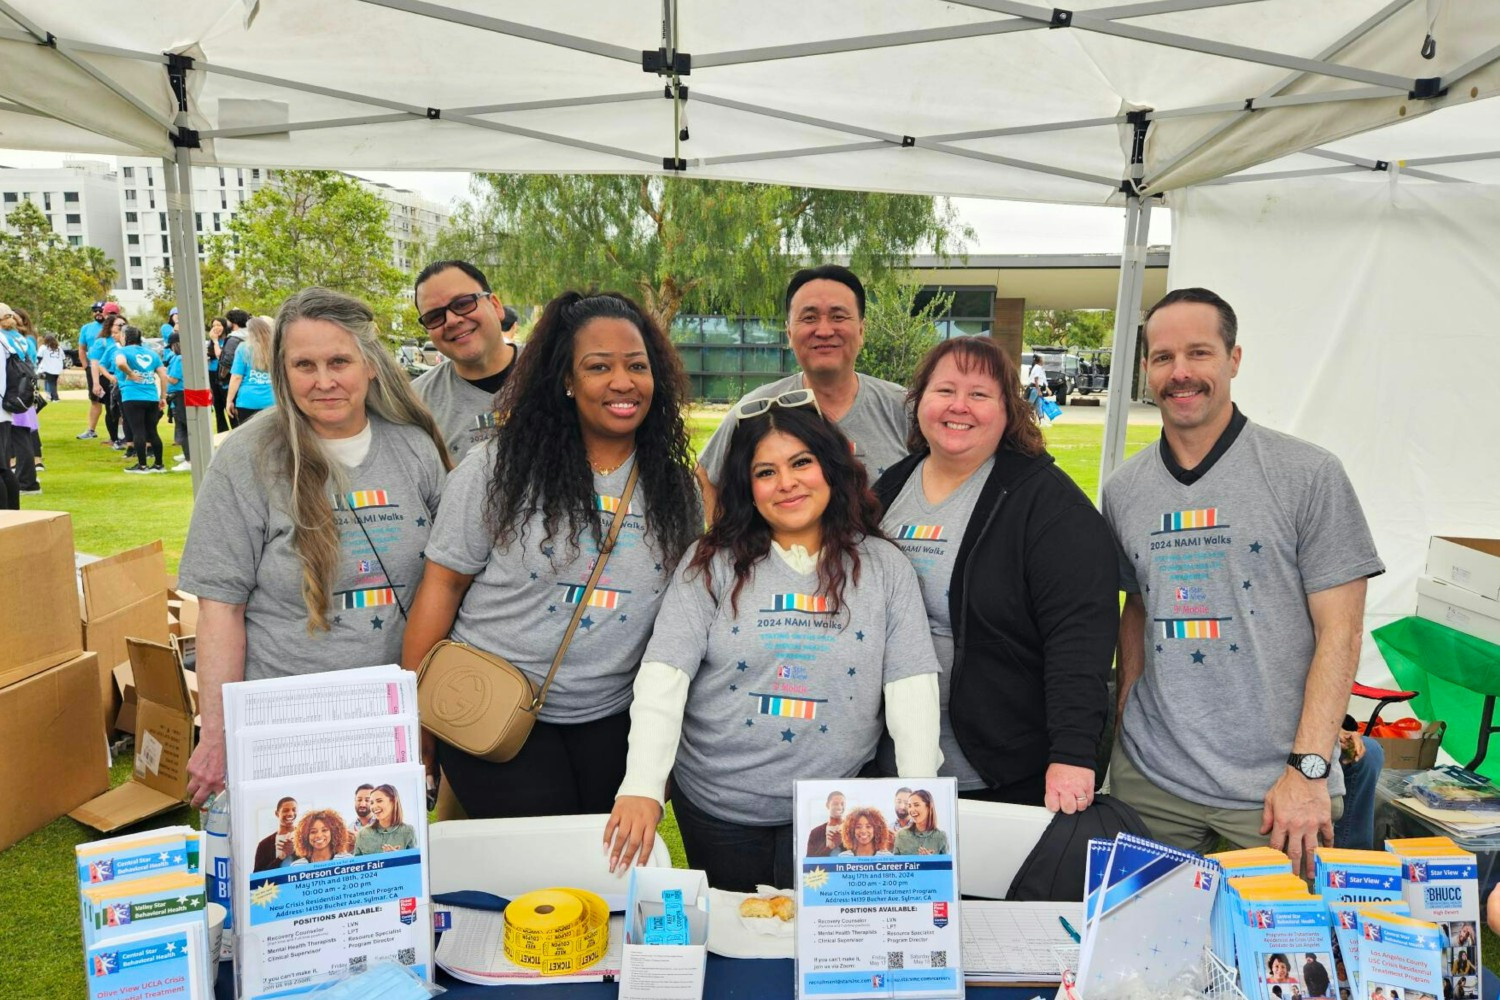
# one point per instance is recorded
(788, 708)
(373, 597)
(602, 597)
(920, 532)
(814, 604)
(365, 499)
(1190, 520)
(1190, 628)
(607, 504)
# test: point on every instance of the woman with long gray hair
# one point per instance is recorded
(306, 541)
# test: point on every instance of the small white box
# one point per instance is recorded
(664, 972)
(1458, 608)
(1470, 563)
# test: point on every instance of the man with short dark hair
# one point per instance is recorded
(826, 839)
(466, 323)
(278, 847)
(361, 814)
(508, 319)
(825, 325)
(1244, 556)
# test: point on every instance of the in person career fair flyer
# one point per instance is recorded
(304, 917)
(877, 888)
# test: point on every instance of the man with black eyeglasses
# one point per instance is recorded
(464, 319)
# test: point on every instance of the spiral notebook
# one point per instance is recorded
(1150, 916)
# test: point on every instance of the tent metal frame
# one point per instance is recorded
(670, 65)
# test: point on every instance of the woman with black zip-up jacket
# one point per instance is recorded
(1019, 574)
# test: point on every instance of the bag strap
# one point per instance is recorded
(583, 600)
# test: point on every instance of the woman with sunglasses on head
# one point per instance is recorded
(307, 534)
(1019, 580)
(784, 634)
(595, 405)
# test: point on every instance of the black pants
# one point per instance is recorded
(141, 416)
(561, 771)
(177, 403)
(23, 444)
(737, 858)
(220, 391)
(111, 408)
(1026, 792)
(242, 416)
(10, 491)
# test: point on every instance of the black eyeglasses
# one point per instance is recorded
(461, 306)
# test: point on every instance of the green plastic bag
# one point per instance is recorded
(1454, 673)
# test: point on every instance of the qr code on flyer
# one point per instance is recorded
(357, 963)
(407, 956)
(895, 960)
(940, 960)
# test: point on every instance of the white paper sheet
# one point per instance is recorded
(1016, 942)
(472, 950)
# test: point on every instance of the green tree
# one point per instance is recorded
(309, 227)
(41, 273)
(1082, 328)
(222, 285)
(678, 243)
(897, 334)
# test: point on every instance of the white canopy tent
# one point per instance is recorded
(1098, 104)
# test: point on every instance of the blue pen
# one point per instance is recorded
(1069, 928)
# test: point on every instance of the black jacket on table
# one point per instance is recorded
(1034, 602)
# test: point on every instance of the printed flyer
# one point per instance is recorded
(159, 966)
(877, 888)
(336, 881)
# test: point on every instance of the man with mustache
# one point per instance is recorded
(1243, 556)
(825, 326)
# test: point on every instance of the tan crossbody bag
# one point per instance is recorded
(480, 702)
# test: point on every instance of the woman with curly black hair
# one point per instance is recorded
(784, 633)
(597, 391)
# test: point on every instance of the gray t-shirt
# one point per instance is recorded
(523, 595)
(1224, 566)
(464, 412)
(239, 551)
(875, 425)
(786, 689)
(930, 535)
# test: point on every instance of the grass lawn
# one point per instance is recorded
(112, 512)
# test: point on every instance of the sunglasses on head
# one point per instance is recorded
(461, 306)
(747, 408)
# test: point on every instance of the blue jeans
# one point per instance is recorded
(1357, 827)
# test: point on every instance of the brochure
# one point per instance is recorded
(1441, 884)
(1347, 878)
(1401, 956)
(879, 916)
(1286, 949)
(136, 855)
(162, 965)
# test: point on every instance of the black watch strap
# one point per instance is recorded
(1312, 766)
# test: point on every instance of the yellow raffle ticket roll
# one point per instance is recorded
(556, 931)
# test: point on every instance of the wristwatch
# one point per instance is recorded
(1311, 765)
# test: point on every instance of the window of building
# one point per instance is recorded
(137, 284)
(130, 197)
(135, 262)
(221, 177)
(133, 239)
(217, 227)
(255, 173)
(75, 241)
(49, 220)
(47, 200)
(151, 199)
(132, 217)
(971, 312)
(162, 217)
(70, 197)
(150, 178)
(223, 199)
(73, 219)
(198, 221)
(128, 173)
(166, 246)
(241, 174)
(11, 198)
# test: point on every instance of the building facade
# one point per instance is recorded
(80, 199)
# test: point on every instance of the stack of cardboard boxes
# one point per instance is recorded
(1461, 588)
(68, 637)
(51, 718)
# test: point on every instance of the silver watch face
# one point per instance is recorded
(1313, 766)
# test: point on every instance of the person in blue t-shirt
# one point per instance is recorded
(177, 402)
(168, 328)
(87, 334)
(249, 377)
(102, 364)
(142, 380)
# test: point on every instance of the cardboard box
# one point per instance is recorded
(186, 609)
(650, 972)
(123, 596)
(125, 685)
(55, 756)
(1417, 753)
(1470, 563)
(37, 630)
(163, 743)
(1458, 609)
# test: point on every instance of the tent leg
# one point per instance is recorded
(189, 288)
(1127, 312)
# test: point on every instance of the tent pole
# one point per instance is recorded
(190, 325)
(1127, 311)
